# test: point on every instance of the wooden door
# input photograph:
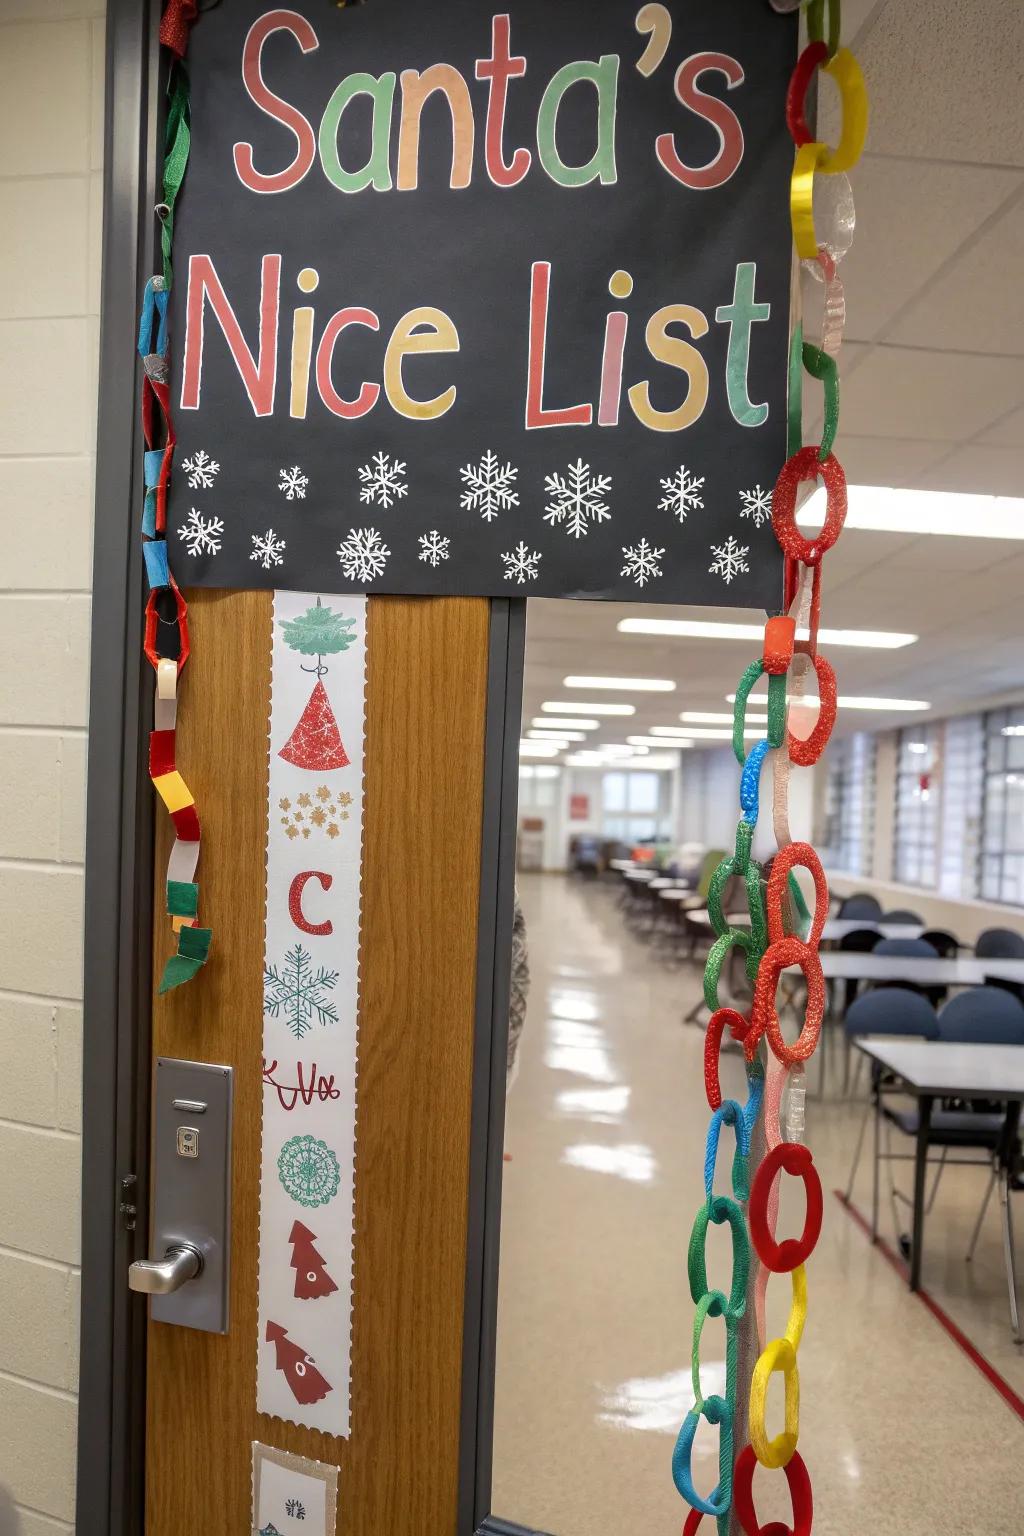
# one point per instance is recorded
(424, 776)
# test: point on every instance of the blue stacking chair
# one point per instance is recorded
(903, 915)
(913, 949)
(999, 944)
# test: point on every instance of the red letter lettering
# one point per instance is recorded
(273, 106)
(367, 396)
(295, 891)
(499, 69)
(536, 415)
(259, 378)
(722, 118)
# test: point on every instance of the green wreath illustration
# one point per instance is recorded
(309, 1171)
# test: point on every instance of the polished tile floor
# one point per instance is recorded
(603, 1174)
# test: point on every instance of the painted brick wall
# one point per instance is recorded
(51, 113)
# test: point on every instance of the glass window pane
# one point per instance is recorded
(613, 791)
(643, 791)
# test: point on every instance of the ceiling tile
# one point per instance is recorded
(899, 392)
(944, 79)
(910, 218)
(986, 471)
(977, 305)
(1009, 433)
(886, 460)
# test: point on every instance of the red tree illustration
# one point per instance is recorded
(300, 1372)
(311, 1277)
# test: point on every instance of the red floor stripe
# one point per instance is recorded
(1012, 1400)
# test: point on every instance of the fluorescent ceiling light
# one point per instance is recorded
(561, 707)
(539, 749)
(616, 749)
(630, 684)
(654, 763)
(703, 732)
(917, 746)
(565, 736)
(1012, 730)
(658, 742)
(849, 701)
(546, 771)
(699, 629)
(702, 717)
(546, 723)
(885, 510)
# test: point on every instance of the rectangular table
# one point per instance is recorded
(963, 971)
(838, 927)
(930, 1070)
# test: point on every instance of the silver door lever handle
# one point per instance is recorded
(158, 1277)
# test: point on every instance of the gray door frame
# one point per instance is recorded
(119, 883)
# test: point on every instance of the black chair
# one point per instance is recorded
(860, 941)
(860, 905)
(946, 945)
(999, 944)
(884, 1011)
(914, 949)
(902, 915)
(991, 1016)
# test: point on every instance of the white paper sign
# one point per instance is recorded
(311, 988)
(291, 1495)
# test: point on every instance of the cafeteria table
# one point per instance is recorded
(937, 1069)
(837, 928)
(965, 971)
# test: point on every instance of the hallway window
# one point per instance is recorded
(634, 805)
(917, 806)
(1002, 858)
(849, 821)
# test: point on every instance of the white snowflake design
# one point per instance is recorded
(433, 548)
(201, 534)
(266, 548)
(577, 501)
(293, 483)
(363, 554)
(730, 559)
(201, 470)
(757, 504)
(641, 562)
(382, 481)
(682, 493)
(490, 487)
(521, 564)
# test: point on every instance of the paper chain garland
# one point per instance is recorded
(165, 606)
(777, 907)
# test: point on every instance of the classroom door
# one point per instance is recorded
(424, 777)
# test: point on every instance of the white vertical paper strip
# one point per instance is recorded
(311, 993)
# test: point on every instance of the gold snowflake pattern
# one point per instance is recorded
(323, 812)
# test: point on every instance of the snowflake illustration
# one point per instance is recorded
(309, 1171)
(363, 554)
(201, 534)
(295, 1508)
(729, 559)
(382, 480)
(293, 483)
(756, 504)
(576, 501)
(201, 470)
(267, 549)
(520, 564)
(490, 487)
(433, 548)
(682, 493)
(299, 992)
(641, 562)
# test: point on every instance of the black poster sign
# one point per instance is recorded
(484, 301)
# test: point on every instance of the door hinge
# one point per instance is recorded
(127, 1208)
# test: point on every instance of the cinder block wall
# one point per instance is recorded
(51, 120)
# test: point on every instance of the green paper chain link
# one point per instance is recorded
(177, 139)
(816, 23)
(820, 366)
(795, 394)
